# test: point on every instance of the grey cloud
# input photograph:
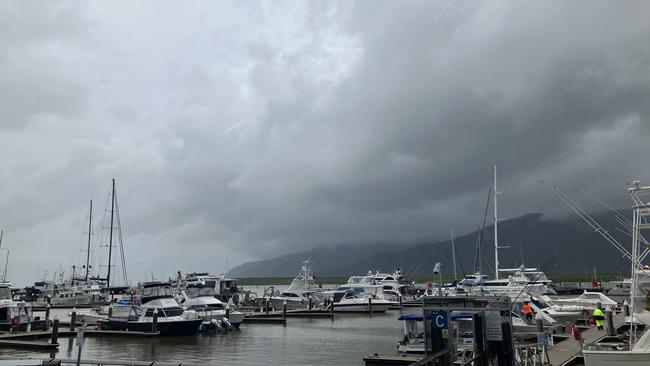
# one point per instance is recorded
(251, 130)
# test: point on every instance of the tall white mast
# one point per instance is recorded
(496, 220)
(453, 253)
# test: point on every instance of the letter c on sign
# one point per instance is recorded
(439, 321)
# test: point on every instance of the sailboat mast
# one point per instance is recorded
(110, 237)
(453, 253)
(90, 223)
(496, 220)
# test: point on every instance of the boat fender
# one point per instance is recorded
(226, 323)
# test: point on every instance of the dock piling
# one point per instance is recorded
(332, 307)
(609, 319)
(47, 316)
(310, 303)
(370, 305)
(154, 325)
(284, 312)
(228, 311)
(266, 306)
(55, 332)
(626, 308)
(73, 319)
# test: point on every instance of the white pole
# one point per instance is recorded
(496, 220)
(453, 252)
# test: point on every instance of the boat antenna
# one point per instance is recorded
(594, 224)
(90, 228)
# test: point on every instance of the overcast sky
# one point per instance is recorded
(243, 130)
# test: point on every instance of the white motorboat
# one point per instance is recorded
(350, 301)
(201, 300)
(76, 294)
(157, 301)
(302, 288)
(588, 300)
(16, 314)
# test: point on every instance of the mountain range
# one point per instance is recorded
(556, 245)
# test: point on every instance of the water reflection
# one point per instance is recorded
(303, 341)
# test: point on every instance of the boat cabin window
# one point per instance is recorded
(157, 291)
(289, 294)
(163, 313)
(193, 292)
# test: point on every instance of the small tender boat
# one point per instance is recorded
(157, 300)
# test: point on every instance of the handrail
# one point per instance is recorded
(428, 359)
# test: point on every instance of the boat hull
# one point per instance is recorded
(35, 325)
(618, 358)
(361, 308)
(168, 328)
(278, 303)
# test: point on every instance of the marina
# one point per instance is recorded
(373, 319)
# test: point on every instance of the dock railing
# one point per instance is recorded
(434, 359)
(531, 355)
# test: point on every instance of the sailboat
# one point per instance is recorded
(86, 289)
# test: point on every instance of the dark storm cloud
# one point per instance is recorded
(239, 131)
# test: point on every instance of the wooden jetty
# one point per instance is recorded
(388, 360)
(11, 343)
(562, 353)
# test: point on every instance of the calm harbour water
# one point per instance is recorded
(344, 341)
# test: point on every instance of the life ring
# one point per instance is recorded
(15, 321)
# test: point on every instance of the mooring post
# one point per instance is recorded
(73, 319)
(626, 308)
(228, 311)
(370, 305)
(284, 312)
(266, 304)
(47, 316)
(154, 325)
(310, 303)
(332, 307)
(55, 331)
(610, 323)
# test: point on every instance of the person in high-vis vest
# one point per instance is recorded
(599, 317)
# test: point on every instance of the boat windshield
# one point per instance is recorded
(157, 291)
(5, 293)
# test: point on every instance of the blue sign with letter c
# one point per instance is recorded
(439, 320)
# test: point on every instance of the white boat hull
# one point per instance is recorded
(361, 308)
(292, 304)
(616, 358)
